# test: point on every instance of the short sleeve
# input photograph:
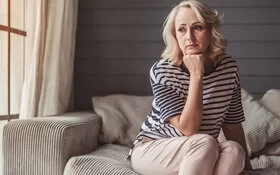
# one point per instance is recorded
(168, 98)
(235, 112)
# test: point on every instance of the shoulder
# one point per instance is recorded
(162, 65)
(229, 67)
(227, 62)
(227, 59)
(164, 68)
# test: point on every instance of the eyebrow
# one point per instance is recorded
(198, 22)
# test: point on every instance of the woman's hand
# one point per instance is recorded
(195, 64)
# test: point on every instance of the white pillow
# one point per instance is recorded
(271, 100)
(122, 116)
(261, 126)
(271, 149)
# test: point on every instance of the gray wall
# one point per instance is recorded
(119, 40)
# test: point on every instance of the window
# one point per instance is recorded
(12, 56)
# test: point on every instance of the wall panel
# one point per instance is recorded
(119, 40)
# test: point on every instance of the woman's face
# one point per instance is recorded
(192, 35)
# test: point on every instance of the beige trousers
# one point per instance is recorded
(199, 154)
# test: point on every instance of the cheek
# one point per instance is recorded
(206, 43)
(205, 40)
(181, 42)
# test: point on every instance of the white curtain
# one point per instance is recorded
(50, 46)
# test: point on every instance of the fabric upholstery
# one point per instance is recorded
(107, 160)
(264, 161)
(111, 159)
(261, 126)
(122, 116)
(265, 171)
(44, 145)
(271, 149)
(271, 100)
(2, 123)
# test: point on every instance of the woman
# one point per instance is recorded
(196, 90)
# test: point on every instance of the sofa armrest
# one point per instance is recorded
(44, 145)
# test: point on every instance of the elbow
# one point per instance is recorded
(187, 128)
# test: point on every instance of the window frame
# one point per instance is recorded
(9, 31)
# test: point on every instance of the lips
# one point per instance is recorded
(191, 45)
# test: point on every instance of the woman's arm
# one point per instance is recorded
(235, 132)
(189, 120)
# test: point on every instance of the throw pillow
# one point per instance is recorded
(271, 149)
(271, 100)
(261, 126)
(122, 116)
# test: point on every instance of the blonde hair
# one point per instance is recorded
(205, 14)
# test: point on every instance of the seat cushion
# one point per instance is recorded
(265, 171)
(107, 160)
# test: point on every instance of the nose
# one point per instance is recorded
(189, 35)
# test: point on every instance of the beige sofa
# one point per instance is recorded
(97, 143)
(44, 145)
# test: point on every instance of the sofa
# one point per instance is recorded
(97, 142)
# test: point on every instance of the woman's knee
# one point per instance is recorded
(232, 159)
(205, 139)
(235, 150)
(206, 145)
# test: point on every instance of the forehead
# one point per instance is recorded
(186, 15)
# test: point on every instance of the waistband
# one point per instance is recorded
(138, 143)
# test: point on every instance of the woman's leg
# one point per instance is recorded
(179, 155)
(231, 160)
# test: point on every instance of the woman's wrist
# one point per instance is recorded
(198, 76)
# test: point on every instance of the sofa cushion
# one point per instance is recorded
(265, 171)
(264, 161)
(107, 160)
(122, 116)
(271, 149)
(271, 100)
(261, 126)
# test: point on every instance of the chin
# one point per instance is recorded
(193, 52)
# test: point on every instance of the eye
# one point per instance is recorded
(197, 27)
(182, 29)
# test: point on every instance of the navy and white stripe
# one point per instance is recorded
(221, 99)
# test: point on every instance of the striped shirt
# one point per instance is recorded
(221, 99)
